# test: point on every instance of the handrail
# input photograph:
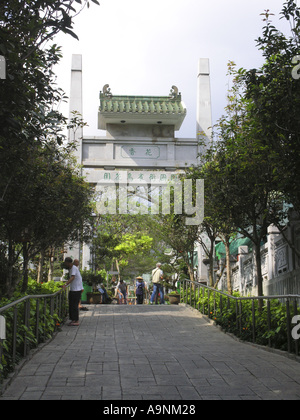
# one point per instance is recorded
(31, 330)
(240, 297)
(242, 323)
(24, 298)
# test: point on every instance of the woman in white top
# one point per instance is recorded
(76, 286)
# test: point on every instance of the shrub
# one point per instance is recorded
(236, 317)
(91, 278)
(48, 323)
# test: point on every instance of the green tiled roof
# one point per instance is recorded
(171, 107)
(153, 104)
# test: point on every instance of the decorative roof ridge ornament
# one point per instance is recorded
(144, 110)
(107, 91)
(174, 93)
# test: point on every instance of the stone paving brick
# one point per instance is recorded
(152, 353)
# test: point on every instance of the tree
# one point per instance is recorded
(124, 241)
(255, 161)
(173, 231)
(54, 206)
(132, 245)
(262, 138)
(30, 125)
(218, 221)
(274, 90)
(245, 168)
(28, 95)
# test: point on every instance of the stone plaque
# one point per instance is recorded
(140, 152)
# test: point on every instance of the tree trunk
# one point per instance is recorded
(40, 267)
(219, 277)
(25, 267)
(51, 268)
(228, 268)
(191, 272)
(118, 269)
(211, 266)
(51, 263)
(9, 284)
(260, 291)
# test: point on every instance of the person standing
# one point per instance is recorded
(104, 295)
(81, 308)
(76, 286)
(122, 290)
(140, 289)
(157, 277)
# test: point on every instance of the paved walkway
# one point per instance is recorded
(152, 353)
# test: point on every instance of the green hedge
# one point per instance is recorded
(237, 318)
(48, 323)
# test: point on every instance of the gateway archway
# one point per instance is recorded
(140, 134)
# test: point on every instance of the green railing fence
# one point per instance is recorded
(267, 320)
(29, 321)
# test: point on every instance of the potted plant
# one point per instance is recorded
(93, 298)
(90, 281)
(174, 298)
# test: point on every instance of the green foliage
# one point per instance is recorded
(274, 95)
(236, 317)
(254, 158)
(131, 245)
(127, 242)
(91, 278)
(48, 323)
(43, 200)
(178, 237)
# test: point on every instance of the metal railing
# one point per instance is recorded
(30, 321)
(264, 320)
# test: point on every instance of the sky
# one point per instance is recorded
(142, 47)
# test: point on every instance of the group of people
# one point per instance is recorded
(76, 288)
(141, 289)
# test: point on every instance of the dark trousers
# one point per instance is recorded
(74, 299)
(140, 299)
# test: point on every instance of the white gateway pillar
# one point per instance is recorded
(204, 135)
(75, 134)
(75, 105)
(204, 117)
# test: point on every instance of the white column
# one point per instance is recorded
(2, 67)
(273, 233)
(75, 103)
(73, 251)
(86, 257)
(204, 116)
(76, 135)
